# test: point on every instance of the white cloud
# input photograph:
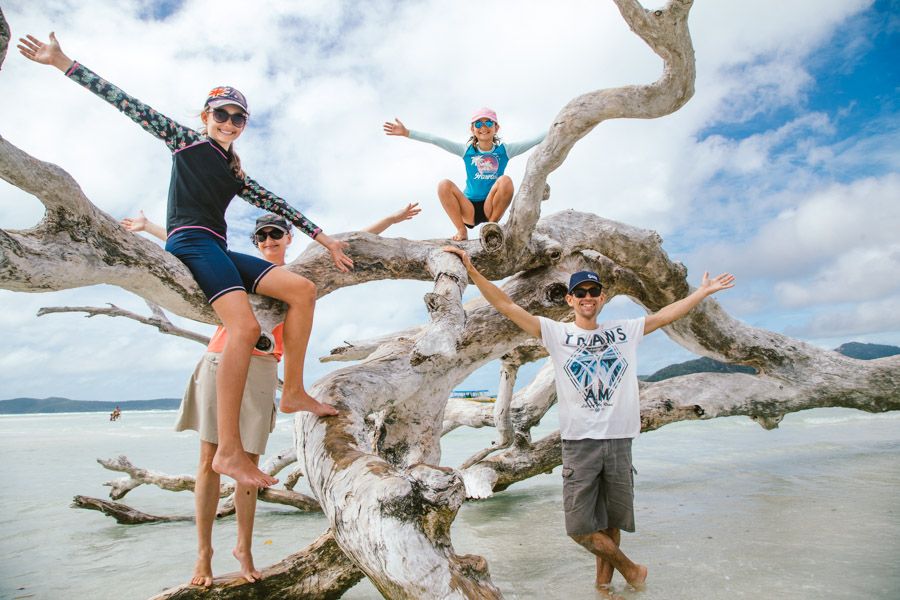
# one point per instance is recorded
(853, 321)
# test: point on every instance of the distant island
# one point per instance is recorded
(708, 365)
(22, 406)
(26, 406)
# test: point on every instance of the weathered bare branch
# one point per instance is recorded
(159, 320)
(123, 514)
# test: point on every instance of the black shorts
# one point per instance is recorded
(217, 269)
(480, 217)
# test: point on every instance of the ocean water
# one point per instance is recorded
(724, 510)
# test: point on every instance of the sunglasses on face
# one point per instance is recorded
(275, 234)
(485, 123)
(237, 119)
(592, 291)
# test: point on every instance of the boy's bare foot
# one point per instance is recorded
(292, 402)
(248, 571)
(203, 569)
(639, 577)
(240, 468)
(461, 235)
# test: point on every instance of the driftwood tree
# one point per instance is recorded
(372, 468)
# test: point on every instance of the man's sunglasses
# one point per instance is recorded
(485, 123)
(592, 291)
(275, 234)
(237, 119)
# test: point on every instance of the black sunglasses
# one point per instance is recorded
(237, 119)
(275, 234)
(592, 291)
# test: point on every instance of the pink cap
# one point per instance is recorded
(483, 113)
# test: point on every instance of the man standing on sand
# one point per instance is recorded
(599, 411)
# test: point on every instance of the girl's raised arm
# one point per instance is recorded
(174, 135)
(262, 198)
(399, 129)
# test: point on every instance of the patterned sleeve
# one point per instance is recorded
(174, 135)
(262, 198)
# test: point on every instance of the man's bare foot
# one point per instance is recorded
(637, 580)
(248, 571)
(605, 592)
(292, 402)
(203, 569)
(240, 468)
(461, 235)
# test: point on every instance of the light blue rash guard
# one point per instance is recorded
(482, 167)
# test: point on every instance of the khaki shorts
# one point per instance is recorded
(198, 407)
(598, 485)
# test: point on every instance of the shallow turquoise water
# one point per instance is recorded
(724, 510)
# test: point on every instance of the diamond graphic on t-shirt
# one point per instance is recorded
(596, 376)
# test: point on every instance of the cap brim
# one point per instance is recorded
(219, 103)
(273, 226)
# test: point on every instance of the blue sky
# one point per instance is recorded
(783, 168)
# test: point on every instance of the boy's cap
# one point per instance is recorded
(270, 220)
(484, 113)
(224, 95)
(580, 277)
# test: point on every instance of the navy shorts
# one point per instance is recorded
(217, 269)
(480, 217)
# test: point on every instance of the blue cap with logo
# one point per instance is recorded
(580, 277)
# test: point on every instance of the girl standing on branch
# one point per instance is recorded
(488, 191)
(206, 175)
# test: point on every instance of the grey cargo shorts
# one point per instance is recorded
(598, 485)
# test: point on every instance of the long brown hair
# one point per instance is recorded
(473, 139)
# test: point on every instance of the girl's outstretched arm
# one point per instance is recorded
(516, 148)
(399, 129)
(174, 135)
(262, 198)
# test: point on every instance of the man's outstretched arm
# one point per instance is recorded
(679, 308)
(498, 298)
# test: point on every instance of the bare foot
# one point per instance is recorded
(461, 235)
(638, 579)
(292, 402)
(240, 468)
(248, 571)
(203, 569)
(606, 593)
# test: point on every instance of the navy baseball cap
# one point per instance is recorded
(224, 95)
(580, 277)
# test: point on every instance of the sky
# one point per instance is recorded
(784, 168)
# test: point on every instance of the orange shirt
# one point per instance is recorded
(217, 342)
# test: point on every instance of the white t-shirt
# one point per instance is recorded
(596, 377)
